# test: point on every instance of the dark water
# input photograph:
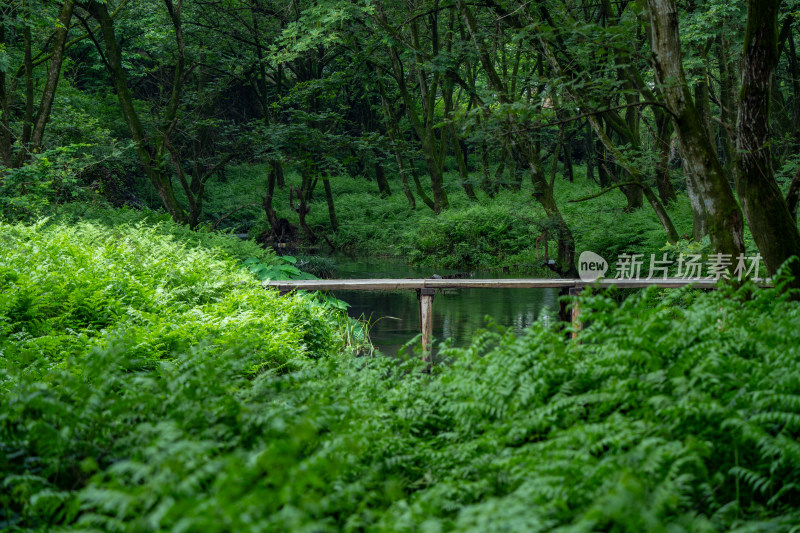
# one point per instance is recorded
(457, 314)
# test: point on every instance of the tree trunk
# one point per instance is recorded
(590, 156)
(793, 194)
(499, 181)
(5, 125)
(463, 170)
(773, 228)
(525, 148)
(632, 194)
(655, 203)
(618, 125)
(544, 194)
(568, 170)
(279, 174)
(272, 217)
(420, 191)
(699, 228)
(53, 73)
(458, 150)
(663, 126)
(326, 182)
(147, 155)
(602, 174)
(725, 223)
(633, 197)
(424, 130)
(303, 195)
(727, 93)
(487, 184)
(383, 183)
(794, 71)
(393, 130)
(27, 123)
(440, 200)
(412, 202)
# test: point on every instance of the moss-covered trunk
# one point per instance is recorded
(773, 228)
(147, 154)
(724, 218)
(663, 132)
(380, 177)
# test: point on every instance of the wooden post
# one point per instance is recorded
(576, 311)
(426, 321)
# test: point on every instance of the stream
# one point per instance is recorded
(457, 314)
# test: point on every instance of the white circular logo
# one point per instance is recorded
(591, 266)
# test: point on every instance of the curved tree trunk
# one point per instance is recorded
(149, 156)
(53, 73)
(725, 222)
(526, 150)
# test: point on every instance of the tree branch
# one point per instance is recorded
(607, 189)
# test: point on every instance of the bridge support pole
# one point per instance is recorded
(575, 312)
(426, 321)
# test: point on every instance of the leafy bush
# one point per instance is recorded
(658, 417)
(477, 235)
(284, 270)
(321, 267)
(50, 178)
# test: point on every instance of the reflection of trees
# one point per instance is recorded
(456, 314)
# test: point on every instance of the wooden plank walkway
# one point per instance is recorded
(427, 287)
(513, 283)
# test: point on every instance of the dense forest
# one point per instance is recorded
(159, 158)
(152, 103)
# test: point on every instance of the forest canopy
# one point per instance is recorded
(650, 100)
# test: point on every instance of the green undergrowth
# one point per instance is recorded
(161, 224)
(147, 386)
(68, 289)
(487, 233)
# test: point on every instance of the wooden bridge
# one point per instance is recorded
(427, 287)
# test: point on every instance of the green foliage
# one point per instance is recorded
(319, 266)
(90, 284)
(603, 226)
(50, 178)
(657, 418)
(478, 235)
(73, 300)
(284, 270)
(492, 232)
(161, 224)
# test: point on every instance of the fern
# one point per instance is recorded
(168, 390)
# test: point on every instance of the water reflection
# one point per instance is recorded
(457, 314)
